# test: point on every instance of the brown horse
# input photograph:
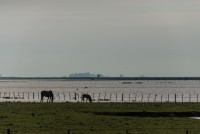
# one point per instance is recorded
(87, 96)
(48, 94)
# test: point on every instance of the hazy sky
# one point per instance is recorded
(112, 37)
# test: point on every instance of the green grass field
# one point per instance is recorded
(80, 118)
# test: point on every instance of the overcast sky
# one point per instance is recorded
(112, 37)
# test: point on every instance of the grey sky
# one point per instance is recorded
(130, 37)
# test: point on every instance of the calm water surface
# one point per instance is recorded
(103, 90)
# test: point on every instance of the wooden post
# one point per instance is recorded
(28, 95)
(126, 131)
(155, 98)
(122, 97)
(135, 97)
(69, 96)
(75, 96)
(59, 96)
(110, 96)
(8, 131)
(189, 98)
(182, 98)
(13, 94)
(175, 98)
(78, 96)
(186, 131)
(64, 95)
(33, 95)
(68, 131)
(149, 97)
(104, 96)
(142, 98)
(99, 97)
(168, 97)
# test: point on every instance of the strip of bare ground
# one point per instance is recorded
(151, 114)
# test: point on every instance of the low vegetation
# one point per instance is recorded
(85, 118)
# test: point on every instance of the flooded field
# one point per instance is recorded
(102, 90)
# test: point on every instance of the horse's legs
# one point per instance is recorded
(41, 99)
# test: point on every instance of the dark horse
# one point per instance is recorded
(87, 96)
(48, 94)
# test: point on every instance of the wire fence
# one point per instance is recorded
(99, 97)
(105, 131)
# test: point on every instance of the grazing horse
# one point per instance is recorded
(48, 94)
(87, 96)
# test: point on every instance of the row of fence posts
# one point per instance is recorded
(76, 96)
(126, 131)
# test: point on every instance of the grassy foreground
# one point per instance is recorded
(80, 118)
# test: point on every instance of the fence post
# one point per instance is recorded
(142, 98)
(64, 95)
(189, 98)
(175, 98)
(110, 96)
(155, 98)
(168, 97)
(33, 95)
(149, 97)
(13, 94)
(135, 97)
(186, 131)
(69, 96)
(126, 131)
(28, 95)
(8, 131)
(182, 98)
(59, 96)
(75, 96)
(99, 97)
(78, 96)
(68, 131)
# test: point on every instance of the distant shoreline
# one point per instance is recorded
(100, 78)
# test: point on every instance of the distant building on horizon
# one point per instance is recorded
(82, 75)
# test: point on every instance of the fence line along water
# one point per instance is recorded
(99, 97)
